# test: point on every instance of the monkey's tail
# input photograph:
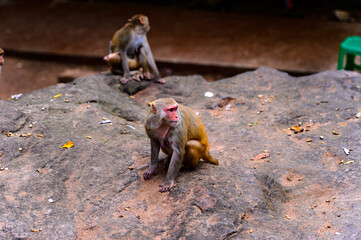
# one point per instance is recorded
(208, 158)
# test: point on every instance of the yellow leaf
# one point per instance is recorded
(68, 145)
(58, 95)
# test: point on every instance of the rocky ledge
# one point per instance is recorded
(289, 151)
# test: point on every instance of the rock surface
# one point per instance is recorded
(271, 183)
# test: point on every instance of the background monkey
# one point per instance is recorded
(180, 134)
(137, 63)
(132, 37)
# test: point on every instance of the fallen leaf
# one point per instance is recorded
(260, 156)
(9, 134)
(58, 95)
(68, 145)
(348, 162)
(335, 133)
(295, 128)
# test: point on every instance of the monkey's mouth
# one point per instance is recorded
(173, 122)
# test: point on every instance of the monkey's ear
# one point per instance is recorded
(150, 103)
(154, 109)
(141, 20)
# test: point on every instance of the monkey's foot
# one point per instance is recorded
(124, 80)
(149, 172)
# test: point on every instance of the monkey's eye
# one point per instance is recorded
(172, 109)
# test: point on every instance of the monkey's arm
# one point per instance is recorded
(126, 76)
(174, 167)
(152, 169)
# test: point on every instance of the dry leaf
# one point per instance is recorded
(58, 95)
(68, 145)
(296, 128)
(260, 156)
(9, 134)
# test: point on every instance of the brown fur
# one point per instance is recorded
(186, 143)
(131, 39)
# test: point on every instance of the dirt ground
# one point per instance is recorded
(45, 39)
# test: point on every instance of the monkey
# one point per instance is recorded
(136, 61)
(180, 134)
(133, 36)
(1, 58)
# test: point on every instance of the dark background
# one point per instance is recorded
(48, 40)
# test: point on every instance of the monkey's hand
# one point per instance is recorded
(149, 172)
(166, 186)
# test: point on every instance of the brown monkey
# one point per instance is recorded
(136, 61)
(133, 37)
(180, 134)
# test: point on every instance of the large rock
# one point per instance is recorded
(306, 188)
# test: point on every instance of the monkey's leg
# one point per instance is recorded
(194, 152)
(147, 75)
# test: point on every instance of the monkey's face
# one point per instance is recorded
(171, 115)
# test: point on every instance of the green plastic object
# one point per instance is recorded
(350, 47)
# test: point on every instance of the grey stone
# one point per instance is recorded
(302, 190)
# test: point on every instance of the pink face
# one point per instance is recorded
(172, 114)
